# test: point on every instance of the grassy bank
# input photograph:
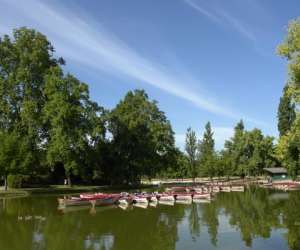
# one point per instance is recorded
(61, 189)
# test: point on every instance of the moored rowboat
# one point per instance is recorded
(197, 196)
(238, 188)
(105, 200)
(225, 189)
(183, 196)
(165, 197)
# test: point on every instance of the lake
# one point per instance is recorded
(257, 219)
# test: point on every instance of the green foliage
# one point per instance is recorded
(289, 49)
(142, 142)
(15, 181)
(191, 150)
(206, 153)
(286, 112)
(288, 148)
(248, 152)
(68, 113)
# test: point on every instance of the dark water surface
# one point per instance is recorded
(257, 219)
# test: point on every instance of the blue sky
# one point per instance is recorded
(201, 60)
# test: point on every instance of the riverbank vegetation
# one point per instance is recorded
(51, 130)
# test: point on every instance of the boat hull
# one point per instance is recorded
(105, 201)
(201, 196)
(167, 198)
(73, 202)
(140, 200)
(237, 188)
(183, 197)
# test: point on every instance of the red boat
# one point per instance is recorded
(87, 199)
(105, 199)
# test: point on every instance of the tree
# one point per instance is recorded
(71, 119)
(288, 148)
(248, 152)
(142, 139)
(206, 151)
(191, 150)
(286, 112)
(234, 151)
(24, 61)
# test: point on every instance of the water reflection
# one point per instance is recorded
(257, 218)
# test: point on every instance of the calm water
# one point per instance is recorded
(256, 219)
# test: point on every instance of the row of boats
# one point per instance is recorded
(179, 194)
(282, 185)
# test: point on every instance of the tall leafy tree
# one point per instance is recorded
(206, 151)
(191, 150)
(142, 139)
(288, 149)
(71, 119)
(234, 151)
(24, 60)
(286, 112)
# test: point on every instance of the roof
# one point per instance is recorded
(276, 170)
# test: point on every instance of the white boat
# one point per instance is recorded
(123, 201)
(123, 206)
(185, 197)
(166, 202)
(198, 189)
(166, 198)
(216, 189)
(225, 189)
(153, 199)
(137, 199)
(153, 204)
(141, 205)
(201, 200)
(238, 188)
(201, 196)
(185, 202)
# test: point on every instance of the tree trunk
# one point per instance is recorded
(69, 181)
(5, 183)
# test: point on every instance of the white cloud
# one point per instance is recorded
(88, 43)
(222, 17)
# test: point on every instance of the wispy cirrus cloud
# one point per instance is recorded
(91, 45)
(221, 17)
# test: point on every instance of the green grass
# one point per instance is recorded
(62, 189)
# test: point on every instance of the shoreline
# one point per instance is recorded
(61, 189)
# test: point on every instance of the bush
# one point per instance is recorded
(15, 181)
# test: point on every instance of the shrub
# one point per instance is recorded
(15, 181)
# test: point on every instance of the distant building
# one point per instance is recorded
(277, 174)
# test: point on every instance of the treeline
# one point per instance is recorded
(50, 129)
(247, 153)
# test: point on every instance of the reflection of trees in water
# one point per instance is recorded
(291, 219)
(253, 213)
(194, 221)
(204, 214)
(210, 218)
(108, 229)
